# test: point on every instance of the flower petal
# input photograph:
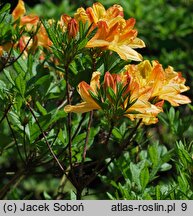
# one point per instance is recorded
(81, 107)
(126, 52)
(95, 81)
(19, 11)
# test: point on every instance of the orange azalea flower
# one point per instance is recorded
(142, 108)
(134, 104)
(114, 32)
(28, 20)
(83, 89)
(118, 37)
(31, 23)
(42, 38)
(164, 84)
(19, 11)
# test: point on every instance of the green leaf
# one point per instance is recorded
(2, 89)
(50, 31)
(165, 167)
(162, 119)
(18, 103)
(20, 85)
(112, 95)
(82, 44)
(135, 171)
(183, 182)
(58, 114)
(123, 128)
(42, 80)
(167, 156)
(5, 8)
(44, 121)
(153, 154)
(79, 139)
(9, 77)
(158, 192)
(47, 196)
(144, 177)
(61, 136)
(42, 84)
(30, 64)
(117, 133)
(184, 156)
(95, 97)
(147, 196)
(20, 67)
(42, 110)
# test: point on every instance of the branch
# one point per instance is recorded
(5, 113)
(69, 123)
(87, 136)
(115, 155)
(79, 125)
(17, 177)
(86, 143)
(51, 151)
(15, 139)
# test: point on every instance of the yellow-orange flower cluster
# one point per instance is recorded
(164, 84)
(113, 31)
(31, 23)
(144, 88)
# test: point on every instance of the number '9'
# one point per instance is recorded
(184, 206)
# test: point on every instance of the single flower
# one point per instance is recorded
(19, 10)
(83, 89)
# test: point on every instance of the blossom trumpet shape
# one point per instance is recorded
(164, 84)
(19, 10)
(83, 89)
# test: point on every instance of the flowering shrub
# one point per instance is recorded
(45, 63)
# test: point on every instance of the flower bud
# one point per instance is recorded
(109, 81)
(72, 28)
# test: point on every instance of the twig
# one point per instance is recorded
(86, 143)
(6, 64)
(87, 136)
(129, 139)
(65, 101)
(109, 134)
(69, 118)
(6, 188)
(79, 125)
(69, 123)
(51, 151)
(15, 139)
(24, 143)
(12, 62)
(116, 155)
(5, 113)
